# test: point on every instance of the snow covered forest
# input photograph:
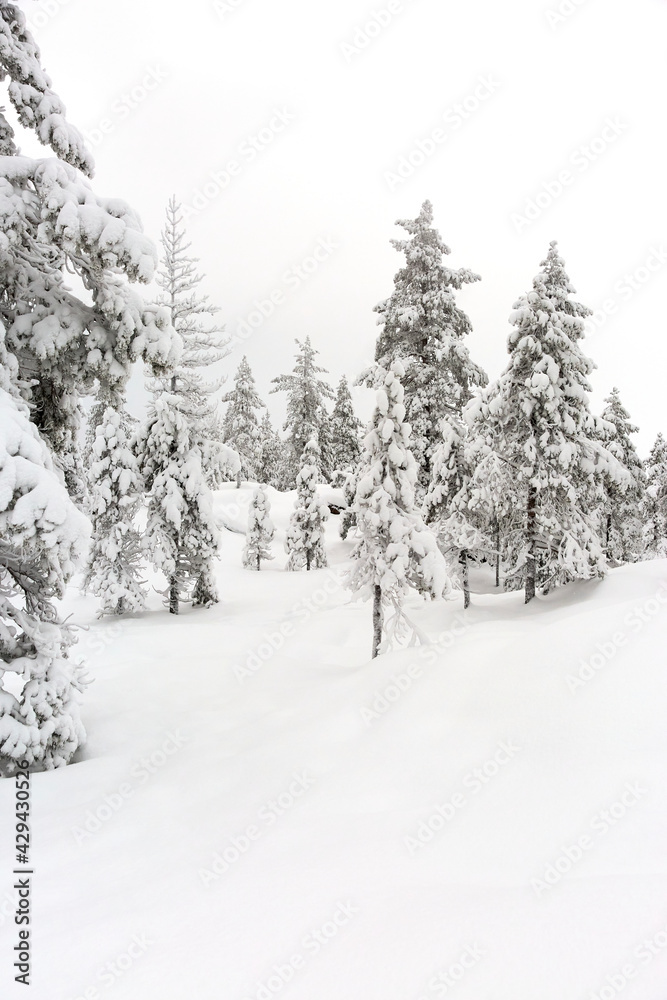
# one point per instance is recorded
(301, 670)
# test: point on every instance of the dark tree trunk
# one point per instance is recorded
(307, 559)
(377, 619)
(497, 538)
(238, 480)
(173, 596)
(258, 561)
(531, 517)
(463, 559)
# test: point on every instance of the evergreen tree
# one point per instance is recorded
(304, 541)
(180, 454)
(539, 418)
(345, 430)
(305, 403)
(654, 504)
(42, 537)
(422, 324)
(241, 429)
(394, 550)
(181, 536)
(55, 347)
(454, 508)
(116, 492)
(325, 440)
(269, 454)
(621, 509)
(348, 518)
(260, 530)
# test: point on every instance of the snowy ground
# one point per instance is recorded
(261, 811)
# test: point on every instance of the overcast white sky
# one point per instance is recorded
(212, 75)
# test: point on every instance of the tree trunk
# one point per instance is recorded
(258, 561)
(307, 559)
(238, 480)
(497, 539)
(531, 517)
(377, 619)
(608, 535)
(463, 559)
(173, 596)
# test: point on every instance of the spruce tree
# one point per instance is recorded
(240, 429)
(422, 325)
(269, 454)
(454, 509)
(654, 503)
(116, 491)
(181, 537)
(539, 418)
(621, 526)
(56, 347)
(42, 538)
(304, 541)
(305, 403)
(348, 518)
(180, 455)
(260, 530)
(345, 430)
(395, 550)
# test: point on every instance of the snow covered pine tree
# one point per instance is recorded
(178, 457)
(654, 505)
(116, 492)
(240, 429)
(422, 324)
(621, 526)
(542, 429)
(260, 530)
(304, 541)
(56, 346)
(395, 550)
(305, 405)
(454, 507)
(345, 428)
(269, 455)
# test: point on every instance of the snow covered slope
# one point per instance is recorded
(261, 811)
